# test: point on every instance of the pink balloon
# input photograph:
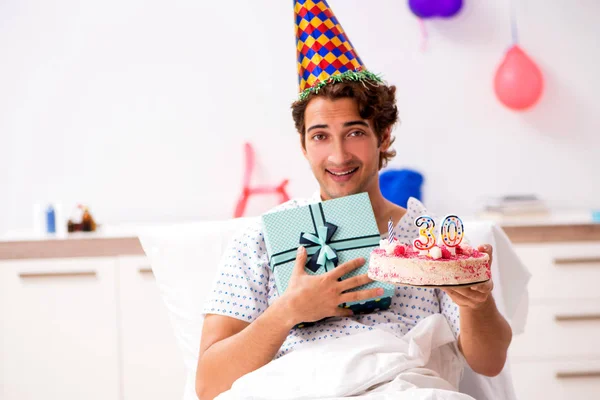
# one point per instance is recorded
(519, 82)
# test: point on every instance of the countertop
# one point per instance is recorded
(111, 241)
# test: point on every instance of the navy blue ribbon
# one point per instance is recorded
(325, 256)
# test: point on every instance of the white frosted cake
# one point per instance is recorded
(426, 263)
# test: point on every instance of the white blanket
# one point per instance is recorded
(424, 364)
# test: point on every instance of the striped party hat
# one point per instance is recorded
(325, 54)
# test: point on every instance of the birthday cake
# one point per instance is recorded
(427, 263)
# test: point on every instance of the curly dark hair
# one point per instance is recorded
(376, 102)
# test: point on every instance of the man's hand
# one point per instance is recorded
(311, 298)
(476, 296)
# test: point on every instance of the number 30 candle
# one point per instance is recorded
(452, 232)
(426, 225)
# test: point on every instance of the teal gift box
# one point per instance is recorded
(333, 232)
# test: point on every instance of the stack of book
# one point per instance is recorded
(514, 206)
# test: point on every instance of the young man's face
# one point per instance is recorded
(340, 147)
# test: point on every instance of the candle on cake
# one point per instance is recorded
(452, 232)
(391, 236)
(426, 238)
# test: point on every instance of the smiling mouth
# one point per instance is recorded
(343, 173)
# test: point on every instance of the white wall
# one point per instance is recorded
(140, 108)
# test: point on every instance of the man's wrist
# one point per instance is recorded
(282, 313)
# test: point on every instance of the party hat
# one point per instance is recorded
(325, 54)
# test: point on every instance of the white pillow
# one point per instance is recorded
(185, 259)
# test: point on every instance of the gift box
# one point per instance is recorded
(333, 232)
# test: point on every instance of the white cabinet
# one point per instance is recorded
(562, 271)
(557, 380)
(85, 328)
(58, 329)
(558, 356)
(152, 364)
(569, 329)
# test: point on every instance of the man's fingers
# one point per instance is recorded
(343, 312)
(459, 298)
(466, 296)
(474, 295)
(487, 248)
(485, 287)
(360, 295)
(354, 282)
(300, 261)
(346, 267)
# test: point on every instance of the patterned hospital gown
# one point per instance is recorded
(245, 287)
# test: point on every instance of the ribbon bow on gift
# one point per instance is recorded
(325, 256)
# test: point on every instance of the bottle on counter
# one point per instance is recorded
(89, 225)
(50, 220)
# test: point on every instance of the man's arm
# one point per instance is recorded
(484, 333)
(230, 349)
(484, 337)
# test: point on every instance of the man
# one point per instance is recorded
(344, 117)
